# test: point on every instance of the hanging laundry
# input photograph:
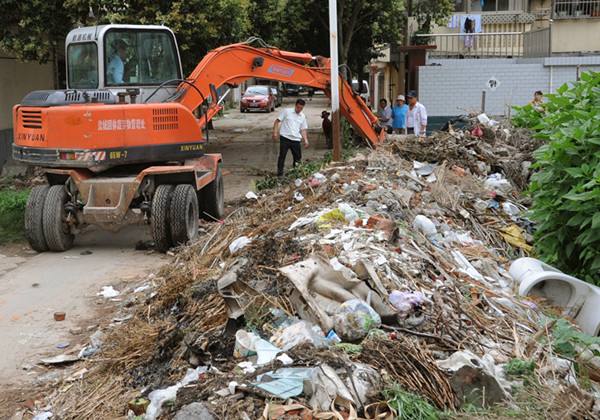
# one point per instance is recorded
(454, 22)
(475, 18)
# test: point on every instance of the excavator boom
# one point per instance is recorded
(233, 64)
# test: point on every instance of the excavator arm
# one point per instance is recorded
(233, 64)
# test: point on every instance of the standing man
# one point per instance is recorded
(399, 112)
(293, 131)
(416, 117)
(384, 113)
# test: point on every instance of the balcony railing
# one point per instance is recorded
(537, 43)
(576, 9)
(476, 45)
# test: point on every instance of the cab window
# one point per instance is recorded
(135, 57)
(82, 62)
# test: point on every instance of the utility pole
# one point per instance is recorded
(335, 81)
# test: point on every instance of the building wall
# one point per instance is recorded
(575, 35)
(16, 80)
(455, 86)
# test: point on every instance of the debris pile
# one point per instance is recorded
(495, 147)
(388, 279)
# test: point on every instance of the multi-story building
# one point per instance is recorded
(514, 48)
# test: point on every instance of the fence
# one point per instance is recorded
(476, 45)
(570, 9)
(537, 43)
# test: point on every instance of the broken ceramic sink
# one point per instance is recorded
(579, 300)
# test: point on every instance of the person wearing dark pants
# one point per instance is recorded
(290, 127)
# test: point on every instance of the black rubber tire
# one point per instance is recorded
(211, 199)
(159, 217)
(34, 210)
(56, 230)
(184, 214)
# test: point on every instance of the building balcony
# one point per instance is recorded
(476, 45)
(576, 9)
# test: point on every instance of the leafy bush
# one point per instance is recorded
(12, 209)
(569, 342)
(566, 186)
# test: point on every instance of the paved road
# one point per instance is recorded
(51, 282)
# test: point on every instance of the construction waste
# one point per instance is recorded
(383, 293)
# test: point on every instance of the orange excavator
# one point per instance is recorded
(124, 142)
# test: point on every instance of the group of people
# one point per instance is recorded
(406, 116)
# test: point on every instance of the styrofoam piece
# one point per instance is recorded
(578, 299)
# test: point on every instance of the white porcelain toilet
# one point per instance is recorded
(578, 299)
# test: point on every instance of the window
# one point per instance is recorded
(134, 57)
(82, 60)
(489, 5)
(460, 6)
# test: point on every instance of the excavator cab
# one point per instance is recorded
(132, 59)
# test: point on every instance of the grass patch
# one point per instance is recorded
(409, 406)
(12, 210)
(519, 367)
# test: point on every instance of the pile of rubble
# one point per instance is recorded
(375, 287)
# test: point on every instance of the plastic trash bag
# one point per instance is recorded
(354, 319)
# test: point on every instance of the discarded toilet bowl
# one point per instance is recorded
(578, 299)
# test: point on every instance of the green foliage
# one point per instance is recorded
(570, 343)
(349, 348)
(566, 186)
(409, 406)
(519, 367)
(527, 116)
(303, 25)
(12, 208)
(297, 25)
(35, 29)
(428, 12)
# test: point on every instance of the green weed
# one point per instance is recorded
(409, 406)
(12, 209)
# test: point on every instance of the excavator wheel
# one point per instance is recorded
(212, 199)
(54, 220)
(34, 231)
(184, 214)
(159, 217)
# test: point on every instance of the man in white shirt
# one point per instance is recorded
(116, 66)
(291, 128)
(416, 117)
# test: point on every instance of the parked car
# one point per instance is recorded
(278, 96)
(291, 90)
(258, 98)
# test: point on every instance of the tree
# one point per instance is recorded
(35, 30)
(362, 25)
(429, 12)
(199, 25)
